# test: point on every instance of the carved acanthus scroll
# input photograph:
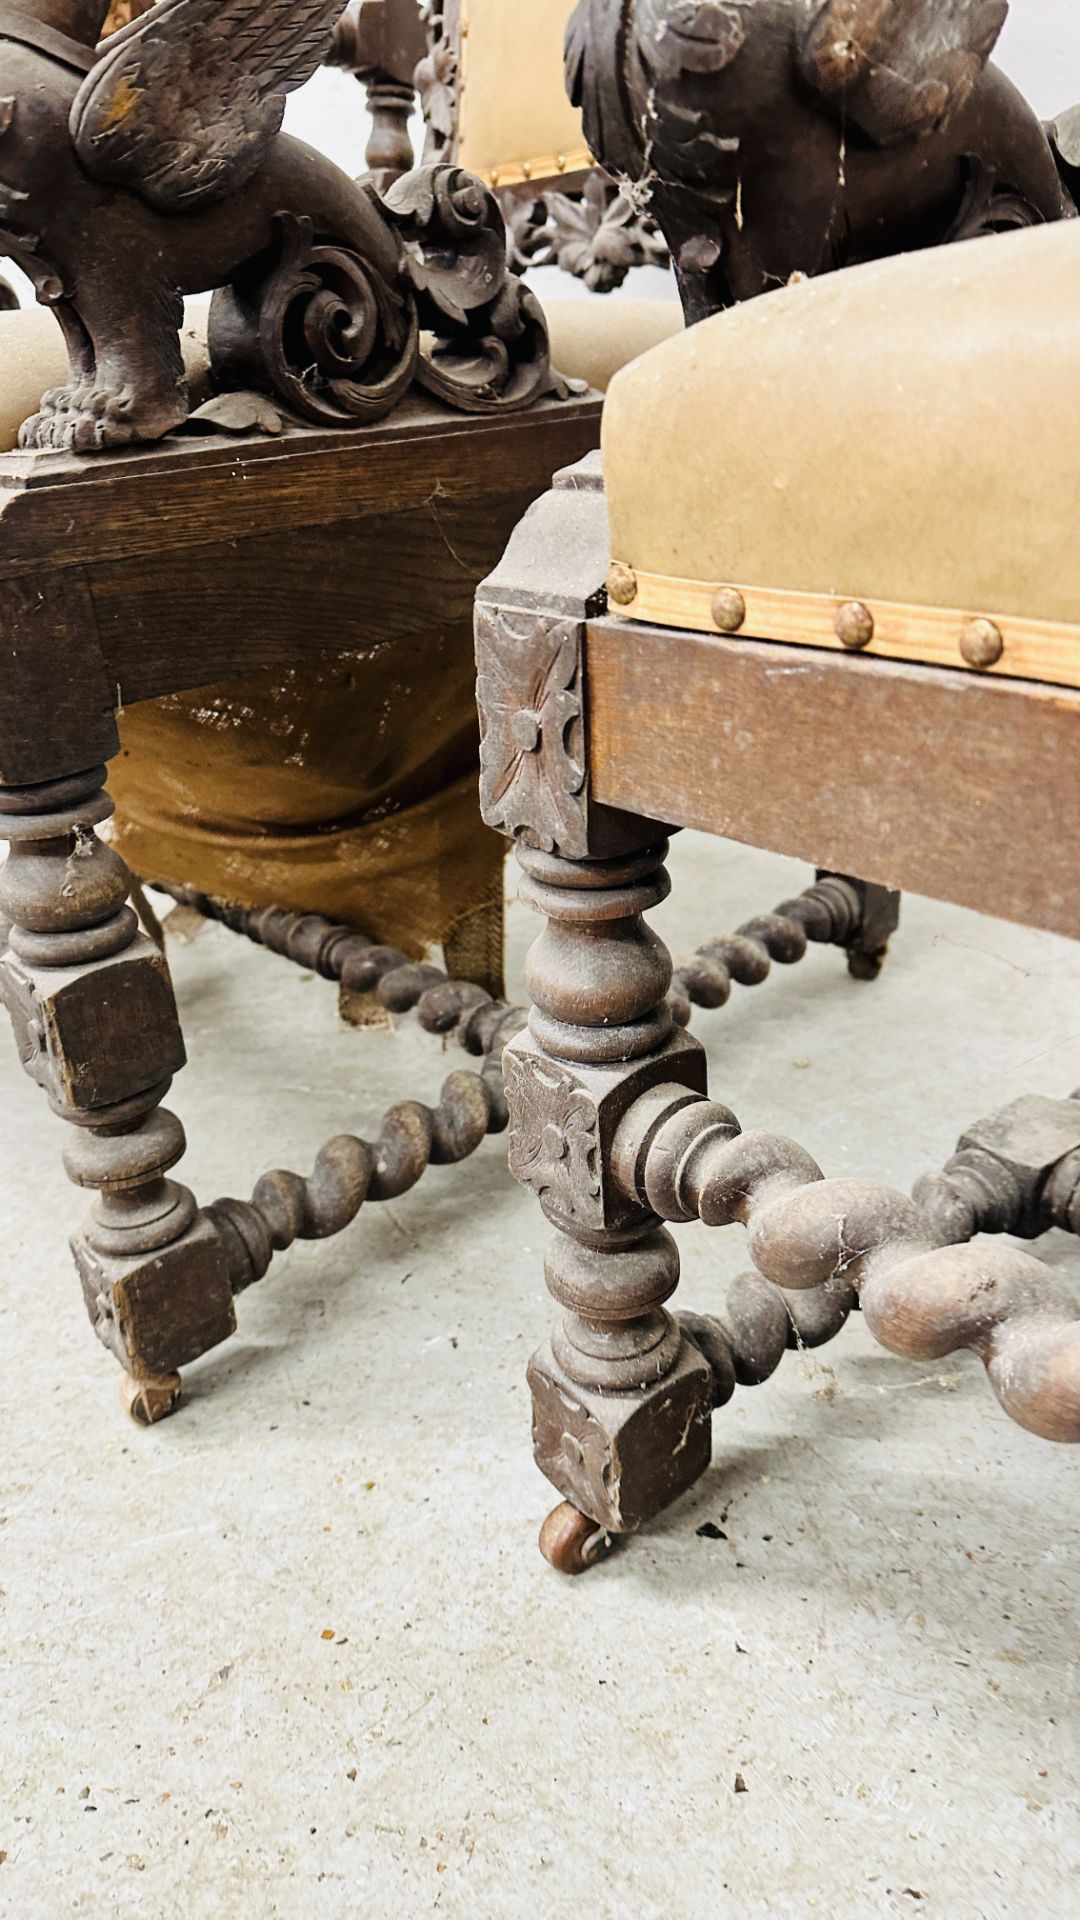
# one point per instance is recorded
(155, 167)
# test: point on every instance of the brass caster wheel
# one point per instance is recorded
(571, 1542)
(148, 1401)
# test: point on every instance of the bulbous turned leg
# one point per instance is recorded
(96, 1026)
(622, 1400)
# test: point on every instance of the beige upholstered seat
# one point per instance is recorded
(903, 435)
(510, 130)
(594, 339)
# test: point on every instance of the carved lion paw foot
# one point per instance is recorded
(83, 418)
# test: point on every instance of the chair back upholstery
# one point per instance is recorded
(499, 67)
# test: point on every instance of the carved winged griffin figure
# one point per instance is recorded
(153, 166)
(784, 137)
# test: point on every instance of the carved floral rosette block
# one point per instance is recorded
(529, 691)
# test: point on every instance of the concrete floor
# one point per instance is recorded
(294, 1652)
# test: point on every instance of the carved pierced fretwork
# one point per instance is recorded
(437, 78)
(598, 235)
(529, 691)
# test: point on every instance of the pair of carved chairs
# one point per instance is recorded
(236, 619)
(385, 321)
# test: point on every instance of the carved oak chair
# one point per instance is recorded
(842, 592)
(136, 577)
(197, 778)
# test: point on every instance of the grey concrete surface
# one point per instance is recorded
(294, 1652)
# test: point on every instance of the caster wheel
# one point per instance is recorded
(571, 1542)
(151, 1400)
(866, 966)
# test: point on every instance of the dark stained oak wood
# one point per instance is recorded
(64, 511)
(163, 570)
(768, 141)
(919, 778)
(51, 668)
(325, 592)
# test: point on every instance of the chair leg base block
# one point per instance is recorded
(622, 1458)
(148, 1401)
(158, 1311)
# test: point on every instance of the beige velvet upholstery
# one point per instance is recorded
(906, 431)
(592, 339)
(515, 121)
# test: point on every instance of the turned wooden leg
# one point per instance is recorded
(621, 1399)
(95, 1021)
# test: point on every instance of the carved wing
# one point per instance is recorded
(182, 104)
(900, 68)
(594, 50)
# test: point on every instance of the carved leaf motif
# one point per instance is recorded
(554, 1141)
(183, 102)
(437, 83)
(597, 235)
(490, 351)
(529, 693)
